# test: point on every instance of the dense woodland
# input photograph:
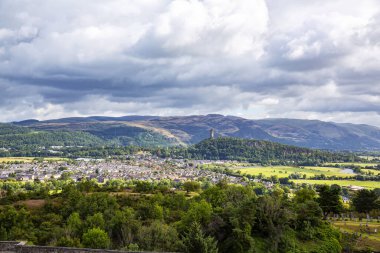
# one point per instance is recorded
(25, 139)
(255, 151)
(150, 216)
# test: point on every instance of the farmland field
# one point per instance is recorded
(375, 172)
(29, 159)
(284, 171)
(363, 165)
(16, 159)
(309, 171)
(370, 158)
(366, 184)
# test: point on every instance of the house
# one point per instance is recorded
(355, 188)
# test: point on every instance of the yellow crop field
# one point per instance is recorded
(30, 159)
(16, 159)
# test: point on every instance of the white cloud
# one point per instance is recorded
(253, 58)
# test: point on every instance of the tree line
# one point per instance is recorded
(207, 218)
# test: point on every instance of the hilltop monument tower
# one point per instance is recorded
(212, 133)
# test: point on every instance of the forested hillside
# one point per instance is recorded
(255, 151)
(19, 137)
(22, 138)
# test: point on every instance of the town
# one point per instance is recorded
(133, 167)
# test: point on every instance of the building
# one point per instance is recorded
(212, 133)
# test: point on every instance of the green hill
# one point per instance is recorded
(226, 148)
(18, 137)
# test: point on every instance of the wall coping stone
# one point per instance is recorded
(21, 247)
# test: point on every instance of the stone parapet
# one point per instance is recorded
(20, 247)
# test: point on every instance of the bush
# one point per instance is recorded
(96, 238)
(330, 246)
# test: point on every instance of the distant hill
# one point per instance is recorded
(185, 130)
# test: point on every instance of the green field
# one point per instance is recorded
(369, 158)
(366, 184)
(309, 171)
(375, 172)
(362, 165)
(284, 171)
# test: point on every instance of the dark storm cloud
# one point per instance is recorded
(251, 58)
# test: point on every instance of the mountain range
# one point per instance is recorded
(186, 130)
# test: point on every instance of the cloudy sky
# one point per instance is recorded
(251, 58)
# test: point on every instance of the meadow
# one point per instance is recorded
(362, 165)
(374, 172)
(284, 171)
(365, 184)
(309, 171)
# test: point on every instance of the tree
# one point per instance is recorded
(329, 199)
(307, 209)
(3, 234)
(191, 186)
(16, 223)
(158, 237)
(195, 241)
(124, 227)
(200, 212)
(272, 219)
(304, 195)
(239, 239)
(96, 238)
(95, 221)
(74, 224)
(364, 201)
(308, 213)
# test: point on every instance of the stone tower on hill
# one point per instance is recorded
(212, 133)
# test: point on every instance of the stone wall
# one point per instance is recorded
(20, 247)
(9, 245)
(43, 249)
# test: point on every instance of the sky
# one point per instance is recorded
(249, 58)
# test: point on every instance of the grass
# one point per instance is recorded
(362, 165)
(284, 171)
(375, 172)
(365, 184)
(369, 237)
(369, 158)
